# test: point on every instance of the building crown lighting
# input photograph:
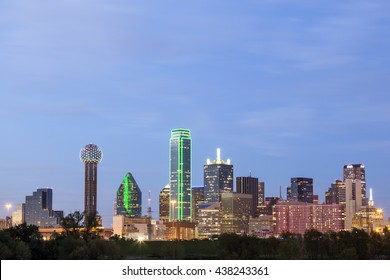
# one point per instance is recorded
(91, 154)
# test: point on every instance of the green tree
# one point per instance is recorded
(72, 223)
(314, 245)
(290, 247)
(91, 224)
(24, 232)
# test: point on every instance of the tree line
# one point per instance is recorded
(80, 239)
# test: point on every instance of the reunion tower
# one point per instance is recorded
(90, 155)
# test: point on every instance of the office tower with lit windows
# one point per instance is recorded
(261, 199)
(357, 172)
(301, 190)
(249, 185)
(128, 201)
(164, 203)
(336, 193)
(180, 206)
(209, 220)
(236, 210)
(90, 155)
(197, 199)
(267, 208)
(218, 178)
(38, 209)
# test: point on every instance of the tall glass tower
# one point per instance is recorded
(217, 178)
(90, 155)
(128, 198)
(180, 206)
(357, 172)
(301, 189)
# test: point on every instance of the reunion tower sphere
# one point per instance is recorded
(91, 154)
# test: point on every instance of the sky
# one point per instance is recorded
(284, 88)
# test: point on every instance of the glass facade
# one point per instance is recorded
(336, 193)
(301, 190)
(197, 199)
(164, 203)
(249, 185)
(38, 209)
(261, 200)
(357, 172)
(218, 178)
(129, 198)
(236, 209)
(180, 207)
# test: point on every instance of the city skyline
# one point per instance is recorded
(285, 88)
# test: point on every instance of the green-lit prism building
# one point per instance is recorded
(128, 201)
(180, 206)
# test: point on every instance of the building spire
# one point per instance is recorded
(218, 155)
(371, 201)
(280, 192)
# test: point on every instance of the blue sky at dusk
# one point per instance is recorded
(284, 88)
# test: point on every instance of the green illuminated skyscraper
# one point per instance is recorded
(180, 175)
(128, 198)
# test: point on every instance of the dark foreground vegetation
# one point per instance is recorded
(25, 242)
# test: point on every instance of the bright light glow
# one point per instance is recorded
(141, 239)
(218, 155)
(208, 161)
(228, 161)
(8, 206)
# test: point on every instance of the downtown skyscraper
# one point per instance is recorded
(128, 201)
(249, 185)
(301, 189)
(38, 209)
(357, 172)
(180, 206)
(217, 178)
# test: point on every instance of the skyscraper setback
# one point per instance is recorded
(38, 209)
(180, 206)
(218, 178)
(90, 155)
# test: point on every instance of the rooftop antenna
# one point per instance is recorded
(149, 205)
(149, 225)
(280, 192)
(250, 173)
